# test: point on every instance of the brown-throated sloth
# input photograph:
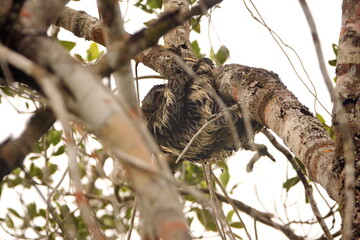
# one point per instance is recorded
(175, 111)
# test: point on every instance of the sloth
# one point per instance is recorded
(175, 111)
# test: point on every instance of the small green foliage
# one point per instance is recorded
(54, 136)
(205, 219)
(193, 174)
(107, 221)
(290, 183)
(335, 49)
(35, 171)
(301, 165)
(64, 211)
(229, 215)
(320, 118)
(68, 45)
(13, 181)
(8, 91)
(220, 56)
(14, 212)
(150, 6)
(225, 175)
(195, 24)
(52, 168)
(93, 52)
(196, 49)
(9, 222)
(327, 127)
(31, 210)
(42, 212)
(79, 58)
(153, 4)
(332, 62)
(59, 151)
(236, 225)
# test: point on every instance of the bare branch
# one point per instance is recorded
(81, 25)
(13, 151)
(308, 190)
(122, 51)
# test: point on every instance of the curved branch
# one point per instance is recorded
(13, 151)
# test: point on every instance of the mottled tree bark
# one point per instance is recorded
(348, 91)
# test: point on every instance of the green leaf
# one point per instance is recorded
(15, 213)
(68, 45)
(196, 49)
(107, 221)
(229, 215)
(38, 148)
(301, 165)
(14, 182)
(290, 183)
(31, 208)
(8, 91)
(35, 171)
(59, 151)
(155, 3)
(93, 52)
(34, 157)
(79, 58)
(222, 55)
(224, 177)
(189, 220)
(42, 212)
(320, 118)
(64, 211)
(236, 225)
(52, 168)
(332, 62)
(195, 24)
(9, 222)
(54, 136)
(206, 219)
(335, 49)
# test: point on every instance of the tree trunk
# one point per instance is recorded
(348, 91)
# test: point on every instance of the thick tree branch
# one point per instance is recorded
(81, 25)
(114, 31)
(121, 52)
(272, 105)
(13, 151)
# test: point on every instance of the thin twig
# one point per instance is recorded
(277, 38)
(218, 213)
(211, 120)
(231, 203)
(132, 220)
(308, 190)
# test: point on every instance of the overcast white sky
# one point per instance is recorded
(249, 44)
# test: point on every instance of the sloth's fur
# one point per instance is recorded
(175, 111)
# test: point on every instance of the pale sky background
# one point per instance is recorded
(250, 44)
